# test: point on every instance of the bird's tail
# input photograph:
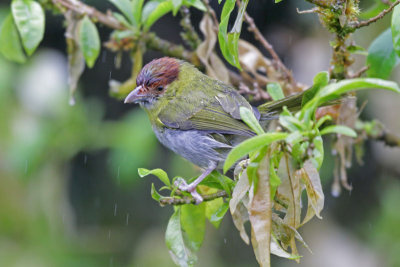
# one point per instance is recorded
(272, 109)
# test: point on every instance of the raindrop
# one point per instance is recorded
(111, 261)
(84, 159)
(109, 234)
(110, 75)
(225, 240)
(115, 209)
(26, 166)
(127, 218)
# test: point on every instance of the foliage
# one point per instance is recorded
(272, 169)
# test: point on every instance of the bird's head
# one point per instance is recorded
(153, 81)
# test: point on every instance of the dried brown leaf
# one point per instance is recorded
(260, 212)
(289, 192)
(310, 178)
(240, 217)
(215, 67)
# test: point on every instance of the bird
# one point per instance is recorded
(196, 116)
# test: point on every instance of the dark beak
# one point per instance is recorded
(136, 95)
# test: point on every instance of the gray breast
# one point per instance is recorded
(196, 146)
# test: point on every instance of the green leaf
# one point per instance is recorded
(218, 181)
(193, 220)
(339, 129)
(10, 45)
(248, 117)
(137, 6)
(228, 42)
(176, 6)
(274, 180)
(318, 152)
(396, 29)
(154, 194)
(278, 1)
(195, 3)
(275, 91)
(320, 80)
(382, 58)
(213, 207)
(125, 6)
(357, 50)
(334, 90)
(29, 18)
(181, 254)
(160, 10)
(89, 41)
(122, 19)
(161, 174)
(373, 11)
(251, 145)
(217, 216)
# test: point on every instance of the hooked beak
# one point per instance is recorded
(136, 95)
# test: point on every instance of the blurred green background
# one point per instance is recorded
(69, 190)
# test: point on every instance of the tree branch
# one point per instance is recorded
(190, 200)
(377, 17)
(258, 35)
(93, 13)
(151, 40)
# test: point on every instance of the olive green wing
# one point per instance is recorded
(211, 118)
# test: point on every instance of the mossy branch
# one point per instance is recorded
(189, 200)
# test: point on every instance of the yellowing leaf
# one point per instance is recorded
(310, 177)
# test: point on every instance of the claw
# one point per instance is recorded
(191, 188)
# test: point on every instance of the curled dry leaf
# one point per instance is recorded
(289, 192)
(348, 114)
(76, 60)
(260, 213)
(205, 51)
(260, 69)
(238, 210)
(315, 195)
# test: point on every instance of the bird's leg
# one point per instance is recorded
(191, 188)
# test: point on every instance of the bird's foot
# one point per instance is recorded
(191, 188)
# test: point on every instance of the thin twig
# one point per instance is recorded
(83, 9)
(212, 12)
(151, 40)
(190, 200)
(308, 11)
(359, 72)
(377, 17)
(258, 35)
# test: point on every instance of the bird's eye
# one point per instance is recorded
(160, 88)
